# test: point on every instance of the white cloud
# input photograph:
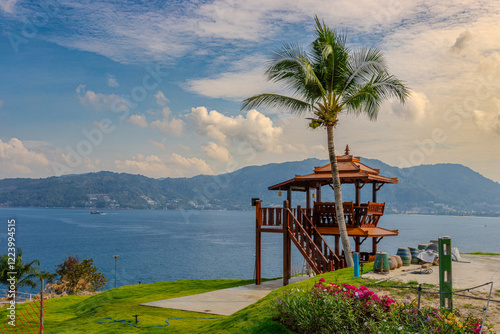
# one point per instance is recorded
(131, 32)
(189, 163)
(16, 157)
(158, 144)
(161, 100)
(149, 166)
(232, 85)
(488, 121)
(170, 126)
(172, 165)
(255, 130)
(111, 81)
(217, 152)
(414, 109)
(138, 120)
(96, 100)
(8, 5)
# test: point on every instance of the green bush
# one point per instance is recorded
(344, 308)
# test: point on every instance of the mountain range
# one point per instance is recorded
(427, 189)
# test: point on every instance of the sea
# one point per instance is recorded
(154, 245)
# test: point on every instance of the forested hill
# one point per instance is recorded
(435, 189)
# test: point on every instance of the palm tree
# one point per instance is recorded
(327, 80)
(26, 273)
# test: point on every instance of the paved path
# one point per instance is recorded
(225, 301)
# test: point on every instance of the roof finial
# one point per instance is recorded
(347, 150)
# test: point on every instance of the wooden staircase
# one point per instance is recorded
(296, 225)
(316, 251)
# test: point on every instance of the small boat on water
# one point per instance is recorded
(95, 212)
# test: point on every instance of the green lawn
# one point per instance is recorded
(80, 314)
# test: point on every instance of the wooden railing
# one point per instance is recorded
(370, 214)
(271, 216)
(325, 214)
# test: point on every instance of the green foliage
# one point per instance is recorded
(334, 308)
(26, 273)
(78, 275)
(329, 78)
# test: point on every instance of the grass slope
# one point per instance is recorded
(80, 314)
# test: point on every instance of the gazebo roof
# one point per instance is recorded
(351, 170)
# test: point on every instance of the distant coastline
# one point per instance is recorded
(442, 189)
(218, 210)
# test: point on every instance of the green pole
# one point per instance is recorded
(445, 278)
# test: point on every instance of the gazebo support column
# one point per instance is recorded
(358, 193)
(357, 218)
(308, 198)
(318, 193)
(375, 242)
(289, 197)
(287, 247)
(374, 192)
(337, 245)
(357, 241)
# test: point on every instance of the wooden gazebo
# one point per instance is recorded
(306, 226)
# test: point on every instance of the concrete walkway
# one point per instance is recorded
(225, 301)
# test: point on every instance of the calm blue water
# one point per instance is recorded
(170, 245)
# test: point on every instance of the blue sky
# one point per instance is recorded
(154, 88)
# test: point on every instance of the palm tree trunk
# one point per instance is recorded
(338, 198)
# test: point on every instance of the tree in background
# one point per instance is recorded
(26, 273)
(327, 80)
(77, 276)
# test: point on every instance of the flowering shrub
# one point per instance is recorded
(344, 308)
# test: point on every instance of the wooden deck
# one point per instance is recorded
(306, 228)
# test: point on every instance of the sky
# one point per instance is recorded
(155, 87)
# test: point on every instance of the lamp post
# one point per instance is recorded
(116, 258)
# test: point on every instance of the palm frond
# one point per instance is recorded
(363, 64)
(368, 97)
(295, 106)
(292, 67)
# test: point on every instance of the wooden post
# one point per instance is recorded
(357, 217)
(374, 192)
(337, 246)
(308, 199)
(289, 197)
(318, 194)
(374, 245)
(358, 193)
(258, 223)
(286, 244)
(358, 244)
